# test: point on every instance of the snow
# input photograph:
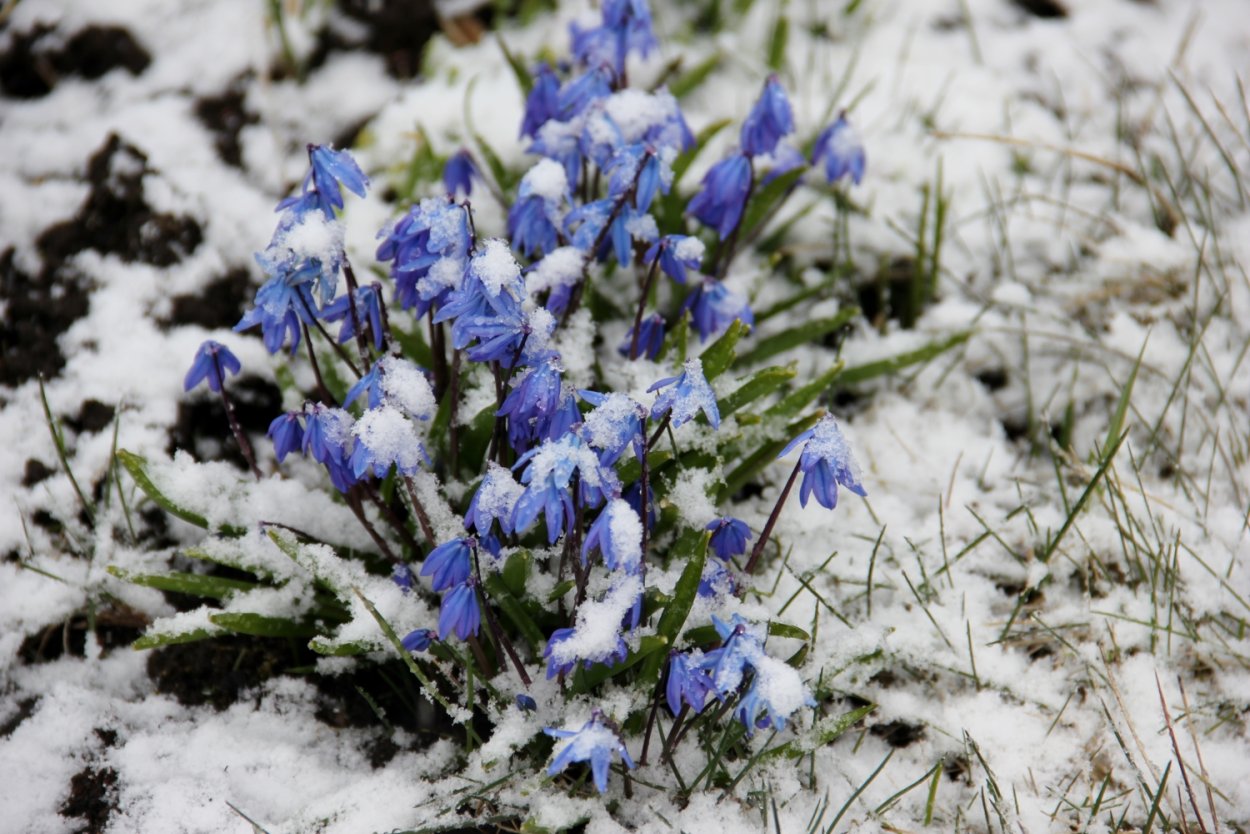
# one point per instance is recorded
(546, 180)
(390, 437)
(405, 385)
(597, 632)
(495, 267)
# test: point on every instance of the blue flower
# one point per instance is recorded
(548, 478)
(770, 119)
(533, 217)
(595, 743)
(327, 439)
(402, 576)
(826, 462)
(626, 28)
(449, 564)
(287, 434)
(713, 307)
(385, 437)
(729, 537)
(566, 418)
(427, 248)
(687, 398)
(775, 692)
(460, 613)
(687, 683)
(677, 253)
(330, 169)
(784, 159)
(368, 304)
(728, 664)
(458, 174)
(650, 337)
(536, 395)
(556, 649)
(723, 194)
(577, 95)
(615, 422)
(617, 535)
(525, 703)
(418, 641)
(641, 169)
(541, 103)
(213, 361)
(717, 579)
(493, 501)
(841, 150)
(279, 309)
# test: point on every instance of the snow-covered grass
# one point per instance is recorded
(1043, 600)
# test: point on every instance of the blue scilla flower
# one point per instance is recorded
(617, 535)
(305, 251)
(690, 395)
(841, 150)
(634, 496)
(385, 437)
(548, 480)
(449, 564)
(493, 502)
(402, 576)
(775, 692)
(784, 159)
(587, 223)
(826, 462)
(458, 174)
(542, 102)
(677, 254)
(741, 645)
(419, 640)
(729, 537)
(626, 28)
(650, 338)
(279, 309)
(525, 703)
(428, 248)
(723, 194)
(687, 684)
(558, 646)
(769, 120)
(615, 422)
(213, 361)
(330, 169)
(566, 418)
(595, 743)
(460, 613)
(533, 218)
(368, 311)
(536, 394)
(717, 580)
(578, 94)
(328, 440)
(287, 433)
(713, 307)
(640, 169)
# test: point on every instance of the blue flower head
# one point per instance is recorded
(650, 338)
(460, 613)
(327, 440)
(368, 313)
(615, 422)
(402, 576)
(729, 537)
(385, 437)
(428, 248)
(717, 579)
(639, 168)
(419, 640)
(690, 395)
(213, 361)
(578, 94)
(617, 535)
(548, 480)
(525, 703)
(493, 501)
(541, 103)
(287, 434)
(330, 169)
(533, 218)
(826, 462)
(535, 396)
(723, 194)
(449, 564)
(279, 309)
(713, 307)
(841, 150)
(626, 28)
(775, 691)
(458, 174)
(770, 119)
(687, 684)
(595, 743)
(677, 254)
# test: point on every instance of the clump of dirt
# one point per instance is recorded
(38, 309)
(218, 305)
(216, 672)
(92, 799)
(115, 219)
(225, 115)
(38, 59)
(116, 627)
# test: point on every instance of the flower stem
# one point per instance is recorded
(245, 445)
(642, 302)
(758, 550)
(422, 518)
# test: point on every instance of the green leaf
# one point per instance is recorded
(498, 171)
(560, 590)
(413, 345)
(329, 647)
(1116, 427)
(515, 571)
(894, 364)
(825, 732)
(688, 82)
(173, 638)
(195, 584)
(777, 43)
(137, 466)
(587, 679)
(690, 547)
(707, 635)
(260, 625)
(720, 354)
(523, 78)
(475, 440)
(806, 333)
(800, 398)
(762, 383)
(768, 199)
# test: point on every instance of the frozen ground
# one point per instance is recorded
(1049, 624)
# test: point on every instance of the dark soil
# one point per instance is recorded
(219, 305)
(217, 672)
(898, 733)
(38, 309)
(94, 416)
(37, 60)
(398, 30)
(225, 115)
(35, 472)
(1043, 8)
(25, 709)
(92, 799)
(115, 628)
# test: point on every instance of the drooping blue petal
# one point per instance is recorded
(213, 361)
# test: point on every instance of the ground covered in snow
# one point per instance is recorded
(1045, 594)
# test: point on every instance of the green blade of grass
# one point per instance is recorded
(894, 364)
(260, 625)
(762, 383)
(691, 546)
(195, 584)
(805, 334)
